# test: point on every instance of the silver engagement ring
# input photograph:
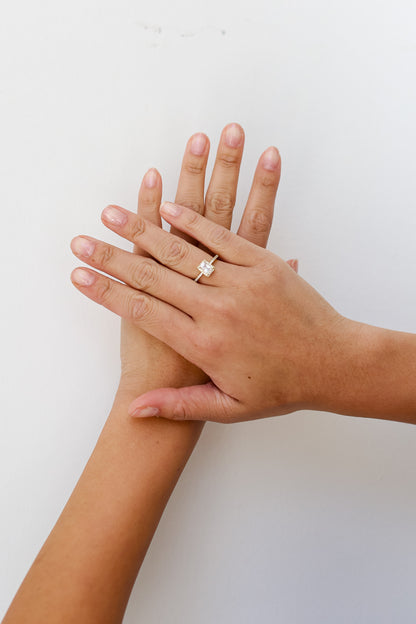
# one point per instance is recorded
(206, 268)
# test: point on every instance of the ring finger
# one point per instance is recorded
(257, 219)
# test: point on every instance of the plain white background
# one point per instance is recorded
(303, 519)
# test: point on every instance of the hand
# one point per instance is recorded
(261, 333)
(147, 362)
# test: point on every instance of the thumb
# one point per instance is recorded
(204, 402)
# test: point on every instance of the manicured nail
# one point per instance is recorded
(150, 178)
(198, 144)
(114, 215)
(82, 246)
(83, 277)
(271, 159)
(171, 209)
(233, 135)
(145, 412)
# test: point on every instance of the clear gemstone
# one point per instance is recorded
(206, 268)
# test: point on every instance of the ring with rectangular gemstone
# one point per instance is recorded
(206, 267)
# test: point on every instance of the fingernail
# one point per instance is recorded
(271, 159)
(198, 144)
(82, 246)
(83, 277)
(145, 412)
(114, 215)
(150, 178)
(233, 135)
(171, 209)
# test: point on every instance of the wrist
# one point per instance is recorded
(162, 370)
(183, 434)
(369, 372)
(348, 369)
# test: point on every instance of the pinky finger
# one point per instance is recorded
(294, 264)
(257, 219)
(154, 316)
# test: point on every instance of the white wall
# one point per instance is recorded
(308, 518)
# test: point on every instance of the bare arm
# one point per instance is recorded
(373, 374)
(87, 567)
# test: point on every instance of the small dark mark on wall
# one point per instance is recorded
(155, 38)
(155, 28)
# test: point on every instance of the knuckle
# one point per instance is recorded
(103, 290)
(148, 201)
(106, 256)
(144, 274)
(219, 236)
(193, 205)
(137, 228)
(267, 181)
(140, 308)
(221, 202)
(194, 167)
(192, 220)
(229, 160)
(180, 411)
(174, 253)
(258, 221)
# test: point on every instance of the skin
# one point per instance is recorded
(86, 569)
(269, 342)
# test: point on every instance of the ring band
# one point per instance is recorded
(206, 268)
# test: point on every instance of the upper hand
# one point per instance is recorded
(262, 334)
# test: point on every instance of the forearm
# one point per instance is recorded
(88, 565)
(370, 372)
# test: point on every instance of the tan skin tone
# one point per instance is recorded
(86, 569)
(269, 342)
(218, 207)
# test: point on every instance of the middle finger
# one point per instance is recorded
(191, 182)
(222, 189)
